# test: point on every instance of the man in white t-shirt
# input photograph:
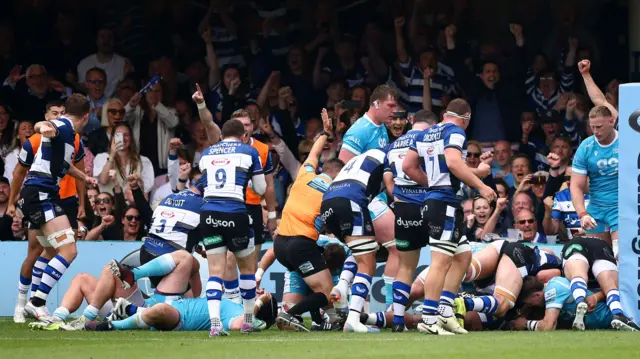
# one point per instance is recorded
(113, 64)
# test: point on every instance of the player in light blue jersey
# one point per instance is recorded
(228, 167)
(345, 215)
(39, 197)
(596, 159)
(409, 227)
(369, 132)
(560, 307)
(437, 160)
(190, 314)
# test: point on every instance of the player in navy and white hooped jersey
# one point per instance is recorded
(410, 225)
(345, 214)
(39, 195)
(440, 150)
(228, 167)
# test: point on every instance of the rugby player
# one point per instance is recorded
(409, 223)
(596, 159)
(253, 204)
(345, 215)
(164, 256)
(369, 131)
(582, 254)
(334, 253)
(37, 258)
(382, 218)
(555, 297)
(228, 167)
(192, 314)
(295, 245)
(442, 212)
(39, 197)
(498, 270)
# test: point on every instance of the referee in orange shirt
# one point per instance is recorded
(295, 245)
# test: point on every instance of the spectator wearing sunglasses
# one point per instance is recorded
(526, 222)
(112, 114)
(132, 228)
(474, 151)
(109, 210)
(96, 81)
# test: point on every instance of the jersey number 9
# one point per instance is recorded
(221, 178)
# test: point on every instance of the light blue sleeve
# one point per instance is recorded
(355, 139)
(579, 165)
(556, 293)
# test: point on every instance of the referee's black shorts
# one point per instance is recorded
(299, 254)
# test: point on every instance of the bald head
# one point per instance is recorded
(502, 152)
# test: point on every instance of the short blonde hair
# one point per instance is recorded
(600, 111)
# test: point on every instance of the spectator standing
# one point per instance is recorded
(152, 123)
(123, 159)
(113, 113)
(495, 97)
(95, 82)
(29, 102)
(115, 66)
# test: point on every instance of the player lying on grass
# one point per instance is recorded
(100, 292)
(560, 307)
(189, 314)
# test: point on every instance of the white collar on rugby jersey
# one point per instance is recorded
(370, 120)
(230, 140)
(612, 142)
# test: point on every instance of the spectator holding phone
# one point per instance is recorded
(123, 159)
(152, 122)
(112, 114)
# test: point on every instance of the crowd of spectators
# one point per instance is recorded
(285, 60)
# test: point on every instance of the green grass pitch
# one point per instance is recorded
(17, 341)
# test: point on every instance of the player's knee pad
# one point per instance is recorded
(360, 247)
(391, 243)
(245, 252)
(61, 238)
(575, 257)
(423, 275)
(602, 265)
(476, 269)
(498, 245)
(219, 250)
(44, 241)
(508, 299)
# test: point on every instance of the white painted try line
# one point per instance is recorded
(367, 338)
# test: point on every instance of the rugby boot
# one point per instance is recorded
(581, 311)
(123, 272)
(621, 322)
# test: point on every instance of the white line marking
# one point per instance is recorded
(368, 338)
